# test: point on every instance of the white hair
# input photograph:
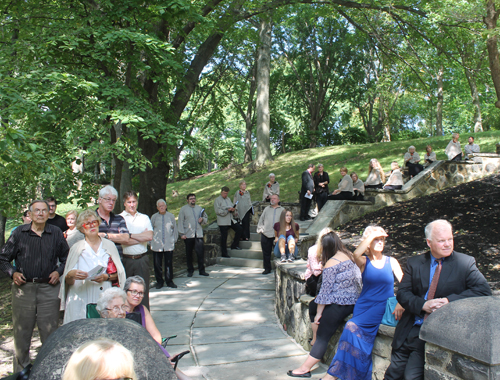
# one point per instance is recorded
(108, 189)
(411, 147)
(107, 296)
(272, 175)
(160, 201)
(430, 227)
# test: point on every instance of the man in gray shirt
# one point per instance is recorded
(265, 227)
(191, 219)
(224, 210)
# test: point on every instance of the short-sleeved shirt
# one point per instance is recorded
(116, 225)
(58, 221)
(290, 232)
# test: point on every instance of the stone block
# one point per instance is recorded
(382, 347)
(436, 356)
(432, 373)
(379, 367)
(465, 368)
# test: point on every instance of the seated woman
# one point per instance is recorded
(412, 160)
(395, 181)
(429, 156)
(358, 186)
(339, 292)
(453, 149)
(114, 362)
(345, 190)
(376, 175)
(72, 234)
(113, 304)
(353, 359)
(271, 188)
(286, 234)
(77, 289)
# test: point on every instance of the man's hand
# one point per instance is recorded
(54, 278)
(19, 278)
(183, 237)
(230, 209)
(433, 305)
(308, 192)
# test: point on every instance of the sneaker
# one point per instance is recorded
(283, 259)
(290, 260)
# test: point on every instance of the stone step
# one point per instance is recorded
(252, 245)
(239, 262)
(245, 253)
(254, 236)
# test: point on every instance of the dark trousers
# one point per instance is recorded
(305, 205)
(267, 249)
(393, 187)
(197, 245)
(333, 316)
(245, 223)
(167, 257)
(358, 196)
(458, 157)
(139, 267)
(379, 186)
(223, 236)
(343, 195)
(414, 169)
(407, 362)
(321, 199)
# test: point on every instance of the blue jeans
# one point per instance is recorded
(277, 252)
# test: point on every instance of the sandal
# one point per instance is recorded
(164, 342)
(175, 359)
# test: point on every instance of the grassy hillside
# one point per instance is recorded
(288, 169)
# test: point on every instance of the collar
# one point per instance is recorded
(27, 228)
(111, 215)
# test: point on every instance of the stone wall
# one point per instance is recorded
(292, 309)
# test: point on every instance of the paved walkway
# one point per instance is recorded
(228, 322)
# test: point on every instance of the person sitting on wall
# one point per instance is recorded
(395, 181)
(453, 150)
(286, 233)
(429, 156)
(376, 176)
(271, 188)
(345, 190)
(471, 148)
(412, 160)
(358, 187)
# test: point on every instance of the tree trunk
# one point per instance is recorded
(439, 105)
(249, 118)
(3, 221)
(478, 120)
(491, 43)
(116, 167)
(262, 106)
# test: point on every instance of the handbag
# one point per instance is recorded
(312, 287)
(388, 318)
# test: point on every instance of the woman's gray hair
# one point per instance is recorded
(84, 216)
(430, 227)
(133, 279)
(160, 201)
(107, 296)
(108, 189)
(411, 147)
(272, 175)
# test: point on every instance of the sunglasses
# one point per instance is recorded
(91, 224)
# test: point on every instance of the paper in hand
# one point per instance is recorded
(308, 196)
(97, 271)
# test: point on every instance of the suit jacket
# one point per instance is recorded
(307, 183)
(459, 279)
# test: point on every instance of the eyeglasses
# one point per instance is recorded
(112, 200)
(43, 211)
(117, 309)
(91, 224)
(120, 378)
(136, 293)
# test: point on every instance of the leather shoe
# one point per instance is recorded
(158, 286)
(190, 274)
(204, 274)
(238, 248)
(226, 256)
(171, 285)
(291, 374)
(266, 272)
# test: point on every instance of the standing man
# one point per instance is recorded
(135, 252)
(265, 227)
(306, 193)
(191, 219)
(471, 148)
(165, 235)
(224, 210)
(113, 227)
(430, 281)
(54, 219)
(40, 251)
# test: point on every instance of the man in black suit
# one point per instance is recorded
(307, 189)
(459, 278)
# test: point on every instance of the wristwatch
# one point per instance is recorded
(106, 235)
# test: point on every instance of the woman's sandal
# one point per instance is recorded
(175, 359)
(165, 341)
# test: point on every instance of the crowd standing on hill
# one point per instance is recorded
(106, 248)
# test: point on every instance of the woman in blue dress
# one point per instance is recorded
(353, 359)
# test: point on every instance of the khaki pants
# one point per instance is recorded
(33, 302)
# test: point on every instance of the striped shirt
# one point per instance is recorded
(36, 256)
(116, 225)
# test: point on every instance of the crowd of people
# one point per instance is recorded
(59, 263)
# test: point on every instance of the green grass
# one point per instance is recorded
(288, 169)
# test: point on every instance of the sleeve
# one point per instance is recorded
(389, 181)
(264, 195)
(219, 210)
(260, 224)
(316, 180)
(407, 156)
(476, 285)
(323, 297)
(361, 187)
(149, 225)
(327, 177)
(343, 184)
(476, 148)
(277, 189)
(122, 228)
(9, 253)
(176, 229)
(406, 297)
(276, 227)
(180, 222)
(448, 147)
(416, 157)
(205, 218)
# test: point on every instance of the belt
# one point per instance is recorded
(39, 280)
(135, 257)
